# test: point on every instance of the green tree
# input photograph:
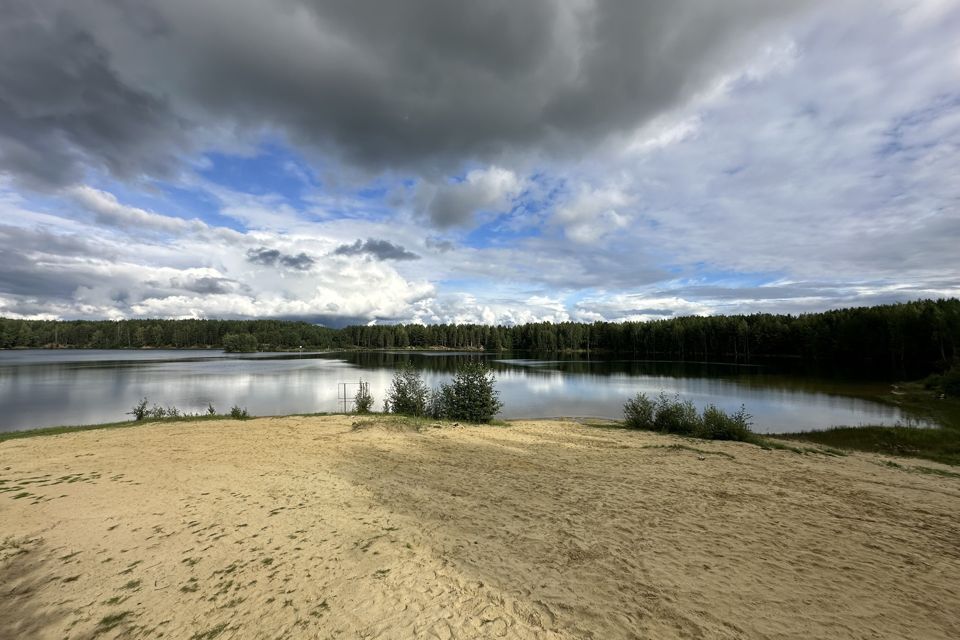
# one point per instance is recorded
(239, 343)
(363, 401)
(472, 396)
(408, 393)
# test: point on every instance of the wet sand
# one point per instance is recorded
(329, 527)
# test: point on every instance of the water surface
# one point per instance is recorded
(41, 388)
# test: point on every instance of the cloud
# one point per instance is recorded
(542, 160)
(455, 203)
(416, 84)
(109, 211)
(637, 307)
(378, 249)
(48, 271)
(438, 244)
(469, 308)
(65, 110)
(815, 169)
(593, 213)
(273, 258)
(205, 284)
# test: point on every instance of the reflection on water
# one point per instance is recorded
(45, 388)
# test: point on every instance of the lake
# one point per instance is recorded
(41, 388)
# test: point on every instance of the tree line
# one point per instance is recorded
(914, 337)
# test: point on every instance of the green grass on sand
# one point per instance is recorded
(938, 444)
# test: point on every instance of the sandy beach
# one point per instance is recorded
(333, 527)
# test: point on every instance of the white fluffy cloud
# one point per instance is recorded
(452, 204)
(199, 275)
(108, 211)
(593, 213)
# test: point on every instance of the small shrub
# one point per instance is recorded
(140, 410)
(472, 396)
(363, 401)
(638, 412)
(441, 403)
(947, 383)
(156, 412)
(950, 381)
(239, 414)
(675, 416)
(716, 424)
(408, 394)
(210, 410)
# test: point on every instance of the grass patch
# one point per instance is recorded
(397, 422)
(113, 620)
(228, 569)
(56, 431)
(606, 425)
(683, 447)
(130, 568)
(209, 634)
(764, 442)
(931, 471)
(133, 584)
(936, 472)
(233, 603)
(936, 444)
(939, 445)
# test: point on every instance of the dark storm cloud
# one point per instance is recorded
(32, 262)
(20, 277)
(63, 109)
(22, 241)
(264, 256)
(273, 258)
(415, 83)
(205, 285)
(301, 261)
(379, 249)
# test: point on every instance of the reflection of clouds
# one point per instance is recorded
(517, 362)
(546, 385)
(77, 391)
(775, 410)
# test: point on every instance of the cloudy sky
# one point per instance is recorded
(354, 161)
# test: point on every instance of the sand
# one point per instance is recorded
(317, 528)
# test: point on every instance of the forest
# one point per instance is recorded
(913, 338)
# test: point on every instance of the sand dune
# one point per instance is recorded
(320, 528)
